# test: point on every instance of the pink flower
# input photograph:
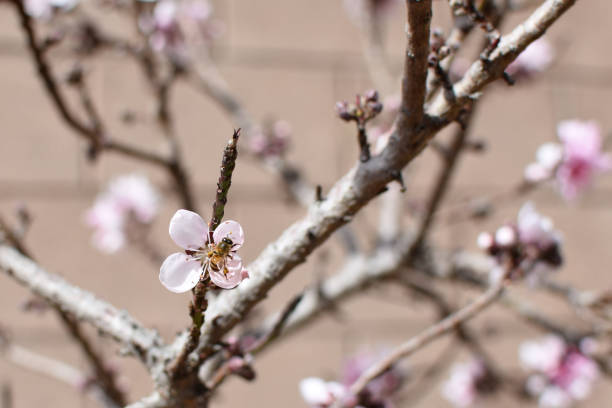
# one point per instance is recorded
(548, 157)
(560, 373)
(107, 221)
(536, 58)
(461, 389)
(135, 193)
(574, 162)
(128, 198)
(174, 22)
(272, 142)
(582, 156)
(530, 248)
(167, 34)
(321, 394)
(378, 391)
(204, 252)
(535, 229)
(44, 9)
(542, 355)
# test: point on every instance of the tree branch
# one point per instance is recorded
(358, 187)
(414, 80)
(428, 335)
(57, 370)
(83, 305)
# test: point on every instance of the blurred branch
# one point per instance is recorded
(428, 335)
(278, 326)
(374, 49)
(57, 370)
(94, 133)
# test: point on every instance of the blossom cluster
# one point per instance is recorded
(379, 392)
(560, 373)
(530, 247)
(129, 201)
(574, 162)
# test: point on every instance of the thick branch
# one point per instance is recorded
(105, 377)
(82, 305)
(415, 65)
(356, 189)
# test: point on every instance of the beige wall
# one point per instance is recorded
(291, 59)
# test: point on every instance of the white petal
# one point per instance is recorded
(180, 273)
(234, 274)
(232, 230)
(549, 155)
(314, 391)
(505, 236)
(536, 173)
(485, 240)
(188, 230)
(233, 263)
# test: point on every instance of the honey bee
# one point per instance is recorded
(218, 254)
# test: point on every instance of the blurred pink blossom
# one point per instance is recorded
(378, 393)
(548, 157)
(173, 23)
(128, 198)
(461, 388)
(319, 393)
(181, 271)
(531, 248)
(43, 9)
(574, 162)
(560, 373)
(536, 229)
(536, 58)
(582, 156)
(272, 142)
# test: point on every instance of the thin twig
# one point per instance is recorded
(57, 370)
(277, 328)
(199, 304)
(93, 133)
(428, 335)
